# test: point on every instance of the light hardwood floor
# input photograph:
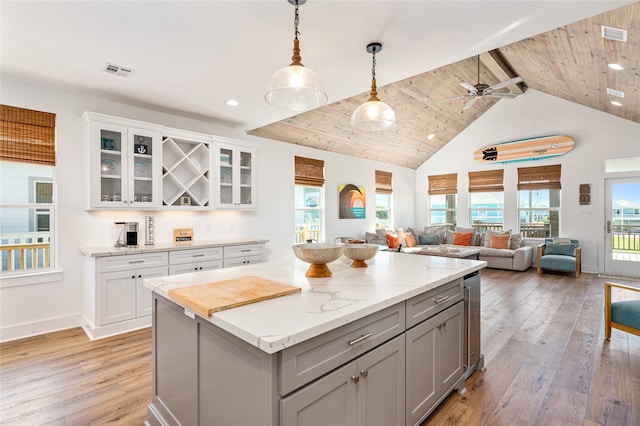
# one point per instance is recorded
(546, 359)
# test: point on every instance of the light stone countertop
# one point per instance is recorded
(324, 303)
(140, 249)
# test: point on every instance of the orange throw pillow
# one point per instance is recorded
(410, 239)
(500, 241)
(394, 240)
(462, 238)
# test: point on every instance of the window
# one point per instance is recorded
(384, 189)
(27, 208)
(539, 201)
(486, 200)
(309, 199)
(442, 199)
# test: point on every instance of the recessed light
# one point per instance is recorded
(431, 136)
(232, 102)
(616, 67)
(616, 103)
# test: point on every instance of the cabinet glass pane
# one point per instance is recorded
(142, 168)
(226, 195)
(110, 166)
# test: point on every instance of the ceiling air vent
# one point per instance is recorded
(117, 70)
(612, 33)
(615, 92)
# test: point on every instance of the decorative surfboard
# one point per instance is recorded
(525, 149)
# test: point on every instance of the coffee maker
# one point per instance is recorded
(128, 236)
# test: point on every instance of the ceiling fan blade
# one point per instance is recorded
(470, 88)
(505, 83)
(448, 99)
(502, 95)
(470, 103)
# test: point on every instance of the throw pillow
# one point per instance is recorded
(560, 248)
(411, 242)
(370, 236)
(516, 241)
(394, 240)
(487, 238)
(416, 233)
(429, 240)
(402, 235)
(382, 233)
(434, 229)
(466, 231)
(447, 237)
(462, 238)
(499, 241)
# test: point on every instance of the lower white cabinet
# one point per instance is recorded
(122, 296)
(244, 254)
(116, 300)
(367, 391)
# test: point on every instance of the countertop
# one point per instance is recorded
(119, 251)
(324, 303)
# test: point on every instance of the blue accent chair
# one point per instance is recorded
(560, 256)
(623, 315)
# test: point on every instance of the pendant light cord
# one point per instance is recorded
(296, 21)
(373, 66)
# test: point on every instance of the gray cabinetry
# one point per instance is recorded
(369, 390)
(434, 361)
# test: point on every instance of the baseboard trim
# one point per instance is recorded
(100, 332)
(21, 331)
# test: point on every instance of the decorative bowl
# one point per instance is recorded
(359, 253)
(318, 255)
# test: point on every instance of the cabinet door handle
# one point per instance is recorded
(133, 277)
(359, 339)
(139, 276)
(136, 261)
(245, 250)
(355, 379)
(198, 255)
(440, 299)
(364, 373)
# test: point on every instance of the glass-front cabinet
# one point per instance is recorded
(235, 182)
(124, 165)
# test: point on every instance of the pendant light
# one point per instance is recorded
(373, 115)
(296, 87)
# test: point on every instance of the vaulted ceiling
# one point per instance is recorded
(569, 62)
(189, 58)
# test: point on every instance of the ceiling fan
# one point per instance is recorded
(480, 90)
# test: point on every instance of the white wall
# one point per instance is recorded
(598, 136)
(43, 307)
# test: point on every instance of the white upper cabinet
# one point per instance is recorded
(136, 165)
(235, 178)
(186, 170)
(123, 162)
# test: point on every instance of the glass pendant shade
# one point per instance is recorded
(297, 88)
(373, 116)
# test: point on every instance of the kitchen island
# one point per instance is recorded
(376, 345)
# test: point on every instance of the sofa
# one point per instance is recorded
(500, 249)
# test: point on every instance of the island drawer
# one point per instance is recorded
(195, 255)
(131, 261)
(306, 361)
(426, 305)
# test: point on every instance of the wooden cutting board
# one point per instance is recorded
(206, 299)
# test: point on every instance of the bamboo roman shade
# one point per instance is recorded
(27, 136)
(383, 182)
(443, 184)
(486, 181)
(309, 172)
(543, 177)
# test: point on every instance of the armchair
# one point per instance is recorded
(623, 315)
(560, 256)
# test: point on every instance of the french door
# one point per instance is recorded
(622, 233)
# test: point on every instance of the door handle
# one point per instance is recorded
(359, 339)
(355, 379)
(608, 227)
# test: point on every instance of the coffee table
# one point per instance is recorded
(451, 251)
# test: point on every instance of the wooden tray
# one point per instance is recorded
(206, 299)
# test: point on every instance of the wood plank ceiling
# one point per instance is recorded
(569, 62)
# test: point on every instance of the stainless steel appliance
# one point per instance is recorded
(473, 359)
(128, 236)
